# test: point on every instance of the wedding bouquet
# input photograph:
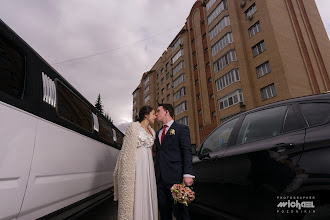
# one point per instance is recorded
(182, 194)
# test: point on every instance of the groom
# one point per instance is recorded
(173, 163)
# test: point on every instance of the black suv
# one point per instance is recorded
(272, 162)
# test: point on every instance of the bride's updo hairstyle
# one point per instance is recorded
(145, 110)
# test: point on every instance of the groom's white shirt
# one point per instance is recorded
(169, 124)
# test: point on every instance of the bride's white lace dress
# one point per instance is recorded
(145, 200)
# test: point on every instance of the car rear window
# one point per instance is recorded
(316, 113)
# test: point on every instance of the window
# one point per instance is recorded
(251, 11)
(146, 89)
(134, 103)
(291, 122)
(230, 99)
(167, 65)
(219, 138)
(224, 61)
(195, 67)
(209, 79)
(179, 80)
(200, 111)
(147, 98)
(181, 92)
(163, 100)
(258, 48)
(106, 131)
(254, 29)
(73, 108)
(224, 41)
(146, 80)
(180, 108)
(168, 86)
(198, 96)
(219, 27)
(316, 113)
(227, 79)
(177, 55)
(168, 97)
(262, 124)
(268, 92)
(183, 121)
(178, 67)
(162, 71)
(163, 90)
(134, 94)
(204, 35)
(134, 111)
(214, 114)
(12, 69)
(263, 69)
(211, 96)
(177, 43)
(162, 80)
(196, 81)
(217, 11)
(209, 4)
(167, 75)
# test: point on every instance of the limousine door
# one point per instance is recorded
(262, 163)
(18, 130)
(208, 168)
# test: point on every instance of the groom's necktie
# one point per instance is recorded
(163, 134)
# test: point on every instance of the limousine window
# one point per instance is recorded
(262, 124)
(316, 113)
(12, 69)
(219, 138)
(105, 130)
(72, 108)
(120, 138)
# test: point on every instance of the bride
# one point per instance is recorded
(134, 175)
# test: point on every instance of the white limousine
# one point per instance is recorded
(57, 152)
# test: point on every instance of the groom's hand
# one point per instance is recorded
(188, 181)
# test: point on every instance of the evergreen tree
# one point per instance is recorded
(98, 104)
(106, 115)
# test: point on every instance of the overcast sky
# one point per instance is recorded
(134, 34)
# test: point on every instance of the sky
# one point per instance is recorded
(118, 41)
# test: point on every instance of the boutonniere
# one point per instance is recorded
(172, 132)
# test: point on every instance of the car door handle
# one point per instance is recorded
(282, 147)
(215, 158)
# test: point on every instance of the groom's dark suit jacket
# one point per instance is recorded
(173, 156)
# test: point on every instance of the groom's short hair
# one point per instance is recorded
(169, 108)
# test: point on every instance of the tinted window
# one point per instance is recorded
(219, 138)
(12, 70)
(316, 113)
(105, 130)
(262, 124)
(72, 108)
(290, 122)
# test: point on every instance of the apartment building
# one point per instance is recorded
(235, 55)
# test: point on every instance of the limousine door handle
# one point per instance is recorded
(282, 147)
